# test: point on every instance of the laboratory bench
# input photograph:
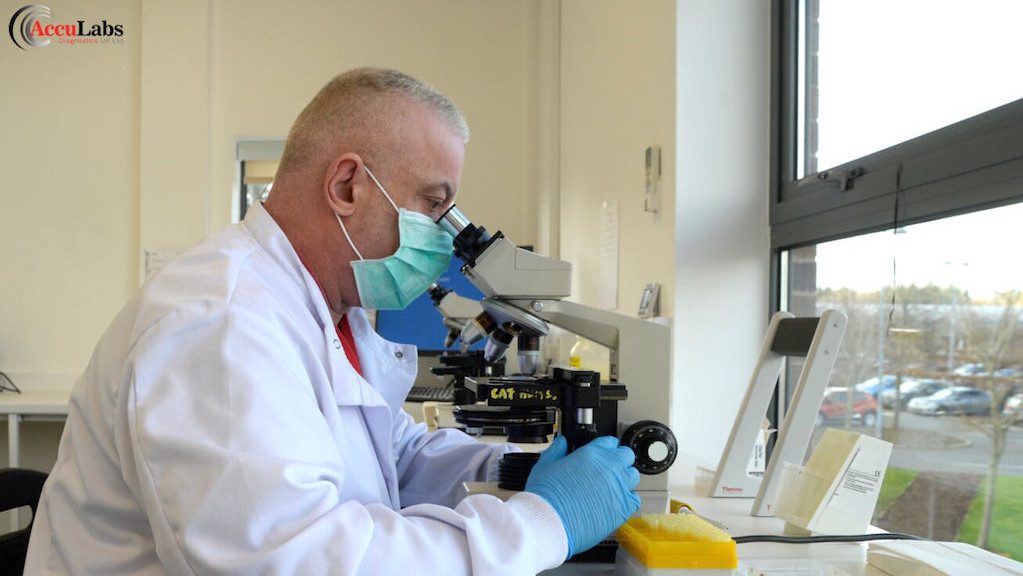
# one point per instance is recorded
(732, 514)
(816, 559)
(48, 405)
(819, 559)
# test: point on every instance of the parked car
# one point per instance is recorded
(954, 400)
(835, 406)
(1014, 407)
(972, 369)
(870, 385)
(912, 389)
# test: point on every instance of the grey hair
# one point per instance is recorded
(349, 101)
(383, 79)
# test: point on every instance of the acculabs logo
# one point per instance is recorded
(27, 30)
(25, 20)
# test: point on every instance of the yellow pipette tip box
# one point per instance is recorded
(683, 541)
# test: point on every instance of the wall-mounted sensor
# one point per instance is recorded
(652, 193)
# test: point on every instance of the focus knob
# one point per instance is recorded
(654, 445)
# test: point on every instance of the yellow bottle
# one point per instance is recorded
(588, 355)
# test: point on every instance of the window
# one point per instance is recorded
(896, 197)
(257, 179)
(888, 71)
(256, 167)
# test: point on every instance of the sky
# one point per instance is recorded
(952, 60)
(956, 61)
(980, 252)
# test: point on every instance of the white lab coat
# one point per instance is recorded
(220, 429)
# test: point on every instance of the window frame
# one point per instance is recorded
(974, 164)
(251, 149)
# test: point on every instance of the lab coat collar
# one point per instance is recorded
(388, 367)
(269, 235)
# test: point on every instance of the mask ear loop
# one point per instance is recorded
(347, 237)
(345, 229)
(377, 182)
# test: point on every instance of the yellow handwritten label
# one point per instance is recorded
(545, 394)
(502, 393)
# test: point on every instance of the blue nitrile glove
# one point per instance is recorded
(591, 489)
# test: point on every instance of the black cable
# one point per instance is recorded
(818, 539)
(895, 231)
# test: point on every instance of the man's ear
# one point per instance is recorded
(339, 183)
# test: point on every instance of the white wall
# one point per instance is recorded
(268, 58)
(114, 149)
(68, 192)
(617, 98)
(617, 86)
(110, 150)
(68, 202)
(254, 64)
(722, 244)
(691, 76)
(175, 195)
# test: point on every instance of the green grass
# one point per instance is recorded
(895, 482)
(1006, 524)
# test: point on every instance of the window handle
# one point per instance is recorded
(841, 177)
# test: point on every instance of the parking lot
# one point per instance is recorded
(949, 443)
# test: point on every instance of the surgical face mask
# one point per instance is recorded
(423, 254)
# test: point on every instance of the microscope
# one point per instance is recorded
(456, 311)
(524, 293)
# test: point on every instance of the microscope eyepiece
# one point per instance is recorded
(453, 221)
(470, 240)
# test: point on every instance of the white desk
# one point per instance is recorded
(30, 405)
(733, 513)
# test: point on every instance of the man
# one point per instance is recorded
(240, 416)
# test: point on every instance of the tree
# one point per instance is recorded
(993, 346)
(907, 350)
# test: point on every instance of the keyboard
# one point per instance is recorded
(431, 394)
